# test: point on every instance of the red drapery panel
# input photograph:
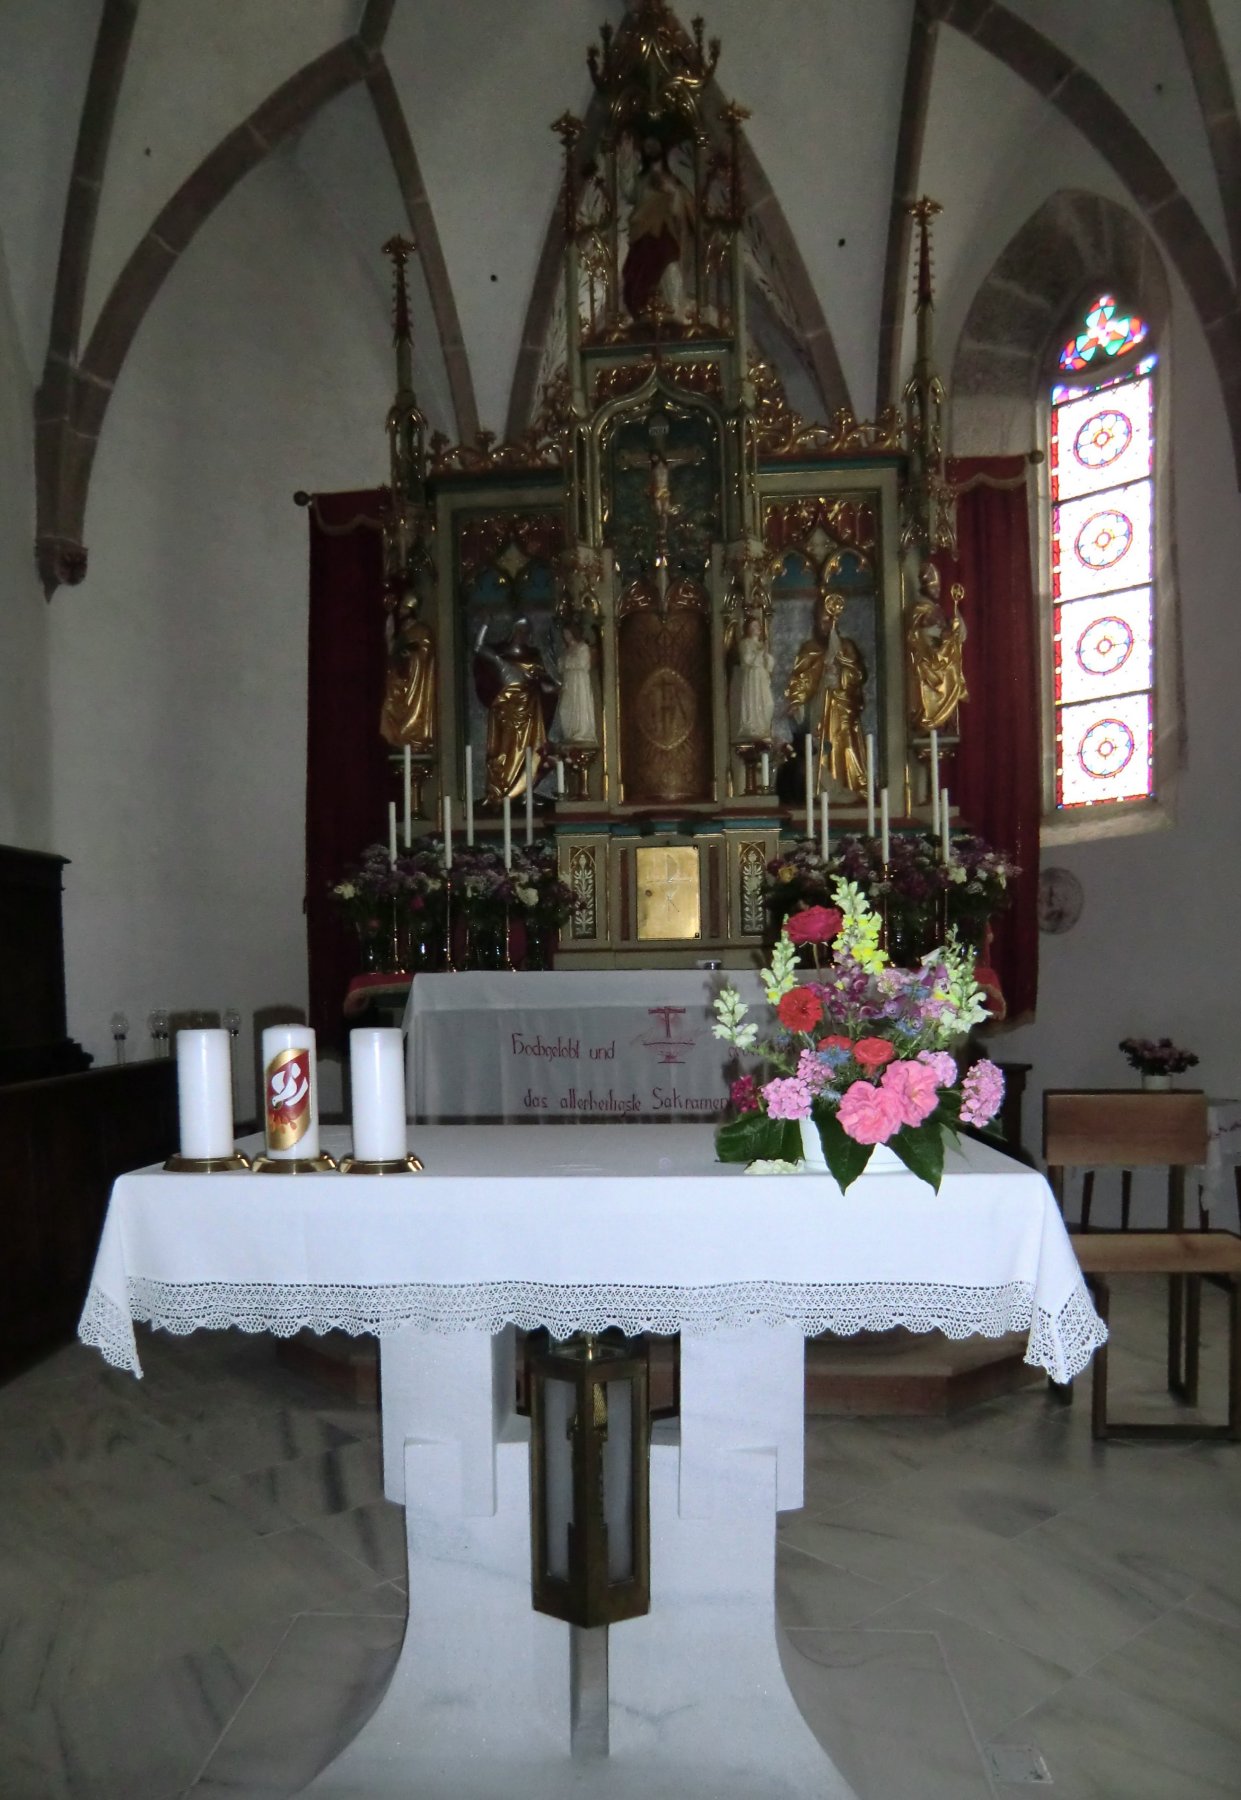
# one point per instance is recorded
(997, 774)
(347, 775)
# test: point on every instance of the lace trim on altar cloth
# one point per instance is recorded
(1062, 1343)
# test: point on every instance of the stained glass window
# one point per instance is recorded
(1106, 332)
(1102, 562)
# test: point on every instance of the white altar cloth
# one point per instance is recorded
(640, 1229)
(571, 1044)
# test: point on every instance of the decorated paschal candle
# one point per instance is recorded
(290, 1093)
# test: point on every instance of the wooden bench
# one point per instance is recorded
(1187, 1255)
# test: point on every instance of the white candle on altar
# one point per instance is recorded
(809, 785)
(447, 832)
(205, 1094)
(290, 1093)
(885, 834)
(870, 784)
(935, 784)
(764, 770)
(508, 832)
(377, 1075)
(529, 796)
(560, 775)
(469, 795)
(392, 831)
(945, 820)
(408, 760)
(823, 837)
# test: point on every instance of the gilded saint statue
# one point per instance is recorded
(834, 664)
(408, 713)
(933, 650)
(660, 224)
(519, 694)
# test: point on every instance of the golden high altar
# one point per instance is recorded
(649, 602)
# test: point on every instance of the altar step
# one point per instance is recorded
(912, 1374)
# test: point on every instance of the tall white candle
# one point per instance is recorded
(392, 831)
(870, 784)
(469, 795)
(529, 795)
(508, 833)
(290, 1092)
(809, 785)
(205, 1094)
(560, 775)
(408, 760)
(823, 837)
(377, 1074)
(447, 832)
(764, 771)
(885, 834)
(945, 820)
(935, 783)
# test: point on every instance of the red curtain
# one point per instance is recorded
(997, 773)
(348, 780)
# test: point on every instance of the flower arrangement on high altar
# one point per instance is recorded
(860, 1053)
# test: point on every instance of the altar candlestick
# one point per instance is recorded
(560, 776)
(823, 837)
(945, 818)
(809, 785)
(529, 796)
(934, 784)
(205, 1094)
(469, 795)
(447, 832)
(870, 784)
(885, 834)
(764, 767)
(508, 832)
(392, 831)
(377, 1070)
(409, 788)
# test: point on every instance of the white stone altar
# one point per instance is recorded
(509, 1228)
(568, 1044)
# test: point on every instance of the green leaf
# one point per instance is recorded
(921, 1149)
(755, 1135)
(846, 1158)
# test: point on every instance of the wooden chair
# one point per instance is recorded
(1124, 1129)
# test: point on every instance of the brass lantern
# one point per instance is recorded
(589, 1482)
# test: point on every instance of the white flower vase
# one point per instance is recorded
(1156, 1084)
(883, 1159)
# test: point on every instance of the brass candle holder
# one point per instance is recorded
(208, 1165)
(323, 1164)
(401, 1165)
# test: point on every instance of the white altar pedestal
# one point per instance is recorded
(509, 1227)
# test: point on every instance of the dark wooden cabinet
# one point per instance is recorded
(33, 1038)
(64, 1142)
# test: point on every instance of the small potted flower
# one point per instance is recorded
(1157, 1060)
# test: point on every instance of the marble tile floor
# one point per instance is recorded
(201, 1586)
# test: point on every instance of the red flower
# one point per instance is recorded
(814, 925)
(872, 1053)
(799, 1009)
(836, 1043)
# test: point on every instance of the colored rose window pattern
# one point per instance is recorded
(1103, 565)
(1103, 540)
(1104, 437)
(1106, 332)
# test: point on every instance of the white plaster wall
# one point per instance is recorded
(179, 686)
(194, 72)
(1157, 950)
(25, 814)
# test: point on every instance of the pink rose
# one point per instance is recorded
(814, 925)
(870, 1115)
(915, 1088)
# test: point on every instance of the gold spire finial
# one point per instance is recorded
(400, 249)
(922, 211)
